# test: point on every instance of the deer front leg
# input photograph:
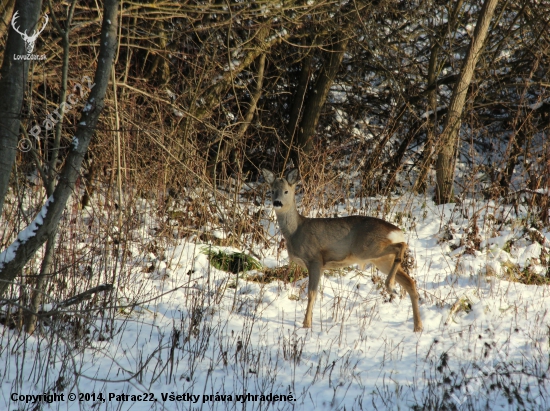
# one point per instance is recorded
(399, 250)
(314, 270)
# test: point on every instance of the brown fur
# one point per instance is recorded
(328, 243)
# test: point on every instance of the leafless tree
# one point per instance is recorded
(46, 222)
(13, 82)
(445, 166)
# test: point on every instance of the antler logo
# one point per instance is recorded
(29, 40)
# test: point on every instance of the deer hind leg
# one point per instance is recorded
(408, 284)
(314, 271)
(386, 265)
(397, 249)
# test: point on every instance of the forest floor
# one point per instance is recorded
(187, 335)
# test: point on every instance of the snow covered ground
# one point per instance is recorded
(194, 337)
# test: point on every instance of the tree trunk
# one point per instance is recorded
(31, 239)
(47, 262)
(224, 148)
(426, 158)
(434, 67)
(40, 284)
(13, 80)
(297, 106)
(318, 94)
(445, 165)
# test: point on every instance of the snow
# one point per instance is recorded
(239, 340)
(9, 254)
(171, 94)
(177, 113)
(530, 253)
(430, 112)
(281, 33)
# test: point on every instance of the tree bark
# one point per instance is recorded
(39, 285)
(13, 80)
(297, 105)
(6, 11)
(224, 147)
(426, 159)
(318, 94)
(48, 260)
(434, 67)
(25, 246)
(445, 165)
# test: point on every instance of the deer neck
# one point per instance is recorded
(289, 221)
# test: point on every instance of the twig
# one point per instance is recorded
(83, 296)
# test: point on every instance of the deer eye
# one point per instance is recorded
(286, 191)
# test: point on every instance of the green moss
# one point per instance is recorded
(232, 261)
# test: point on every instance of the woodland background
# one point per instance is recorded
(202, 94)
(155, 118)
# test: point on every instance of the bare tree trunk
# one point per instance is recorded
(39, 285)
(31, 239)
(297, 105)
(445, 165)
(392, 165)
(426, 158)
(212, 96)
(228, 147)
(317, 96)
(13, 80)
(516, 141)
(434, 65)
(47, 262)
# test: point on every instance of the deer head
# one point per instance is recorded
(29, 40)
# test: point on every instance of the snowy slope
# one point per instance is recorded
(188, 332)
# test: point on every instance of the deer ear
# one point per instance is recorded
(268, 175)
(292, 176)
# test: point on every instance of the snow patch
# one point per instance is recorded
(9, 254)
(529, 255)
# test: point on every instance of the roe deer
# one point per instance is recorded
(326, 243)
